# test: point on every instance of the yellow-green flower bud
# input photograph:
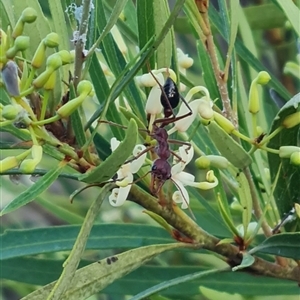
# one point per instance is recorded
(263, 78)
(29, 15)
(10, 112)
(253, 105)
(18, 30)
(292, 120)
(287, 151)
(68, 108)
(53, 63)
(39, 56)
(8, 163)
(28, 166)
(21, 43)
(84, 87)
(218, 161)
(66, 57)
(223, 122)
(295, 158)
(10, 78)
(51, 40)
(205, 110)
(202, 162)
(37, 152)
(50, 84)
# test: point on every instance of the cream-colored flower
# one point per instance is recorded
(125, 174)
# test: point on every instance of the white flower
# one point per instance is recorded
(182, 179)
(202, 106)
(125, 174)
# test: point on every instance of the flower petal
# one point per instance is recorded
(119, 196)
(185, 178)
(136, 164)
(181, 196)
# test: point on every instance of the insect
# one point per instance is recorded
(161, 168)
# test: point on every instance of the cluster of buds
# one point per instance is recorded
(24, 81)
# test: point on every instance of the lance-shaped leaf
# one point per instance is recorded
(247, 261)
(228, 147)
(111, 165)
(95, 277)
(284, 244)
(36, 189)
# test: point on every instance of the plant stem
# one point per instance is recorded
(79, 43)
(189, 228)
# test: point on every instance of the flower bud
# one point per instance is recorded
(8, 163)
(205, 110)
(202, 162)
(21, 43)
(50, 84)
(253, 105)
(295, 158)
(84, 87)
(287, 151)
(183, 60)
(39, 56)
(28, 166)
(291, 120)
(37, 152)
(223, 122)
(53, 62)
(51, 40)
(218, 161)
(10, 78)
(29, 15)
(66, 57)
(10, 112)
(263, 78)
(250, 230)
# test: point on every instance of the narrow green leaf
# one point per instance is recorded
(167, 284)
(43, 271)
(146, 26)
(164, 51)
(16, 243)
(35, 190)
(247, 261)
(292, 13)
(245, 200)
(110, 166)
(159, 220)
(71, 263)
(228, 147)
(95, 277)
(284, 244)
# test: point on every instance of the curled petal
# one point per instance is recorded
(125, 181)
(137, 163)
(181, 196)
(185, 178)
(119, 196)
(183, 124)
(114, 144)
(204, 185)
(186, 152)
